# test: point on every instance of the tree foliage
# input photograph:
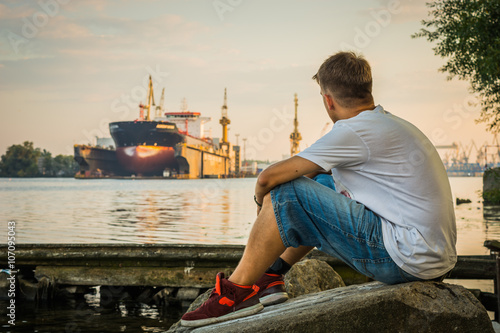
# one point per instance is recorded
(467, 33)
(63, 165)
(27, 161)
(20, 161)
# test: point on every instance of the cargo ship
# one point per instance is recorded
(147, 147)
(172, 144)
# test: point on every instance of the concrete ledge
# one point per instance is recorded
(130, 276)
(371, 307)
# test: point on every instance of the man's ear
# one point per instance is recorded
(329, 101)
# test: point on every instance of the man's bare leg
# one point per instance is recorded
(264, 246)
(293, 255)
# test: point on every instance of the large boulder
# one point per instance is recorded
(371, 307)
(310, 276)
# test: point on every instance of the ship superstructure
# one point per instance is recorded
(188, 123)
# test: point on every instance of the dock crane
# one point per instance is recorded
(465, 152)
(224, 121)
(295, 137)
(151, 102)
(494, 144)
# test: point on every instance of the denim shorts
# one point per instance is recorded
(309, 212)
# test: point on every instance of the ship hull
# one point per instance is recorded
(96, 161)
(145, 147)
(145, 133)
(146, 160)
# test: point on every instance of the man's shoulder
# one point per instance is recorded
(374, 126)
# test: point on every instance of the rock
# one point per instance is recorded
(162, 297)
(460, 201)
(371, 307)
(310, 276)
(188, 294)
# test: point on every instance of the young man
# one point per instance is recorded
(386, 210)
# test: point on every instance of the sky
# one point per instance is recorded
(68, 68)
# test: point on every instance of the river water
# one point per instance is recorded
(205, 211)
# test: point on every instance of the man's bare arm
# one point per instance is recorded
(282, 172)
(321, 172)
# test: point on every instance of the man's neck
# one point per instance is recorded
(365, 107)
(346, 113)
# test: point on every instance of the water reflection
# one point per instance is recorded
(492, 222)
(129, 211)
(491, 212)
(88, 314)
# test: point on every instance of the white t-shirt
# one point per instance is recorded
(387, 164)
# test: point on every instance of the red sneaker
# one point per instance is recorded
(227, 301)
(271, 289)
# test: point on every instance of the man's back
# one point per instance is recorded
(387, 164)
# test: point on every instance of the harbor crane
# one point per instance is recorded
(494, 155)
(151, 102)
(224, 121)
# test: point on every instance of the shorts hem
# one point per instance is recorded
(281, 228)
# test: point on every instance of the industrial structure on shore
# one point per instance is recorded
(458, 157)
(172, 145)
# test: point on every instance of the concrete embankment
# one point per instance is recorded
(371, 307)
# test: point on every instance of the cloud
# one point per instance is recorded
(16, 12)
(411, 12)
(93, 5)
(62, 28)
(86, 37)
(398, 11)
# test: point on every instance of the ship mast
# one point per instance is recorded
(151, 99)
(224, 121)
(184, 108)
(295, 137)
(159, 108)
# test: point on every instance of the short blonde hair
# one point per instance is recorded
(348, 77)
